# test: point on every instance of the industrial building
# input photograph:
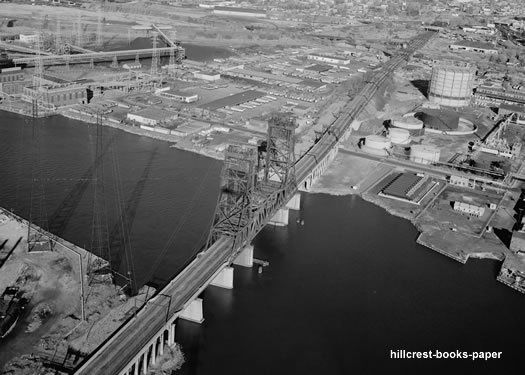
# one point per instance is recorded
(12, 81)
(11, 74)
(469, 209)
(474, 47)
(330, 59)
(180, 96)
(28, 38)
(151, 116)
(207, 76)
(451, 85)
(239, 12)
(462, 182)
(56, 96)
(233, 100)
(494, 95)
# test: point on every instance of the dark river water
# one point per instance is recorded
(196, 52)
(340, 292)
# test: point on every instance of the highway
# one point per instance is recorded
(128, 341)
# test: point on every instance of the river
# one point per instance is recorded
(177, 199)
(340, 292)
(343, 290)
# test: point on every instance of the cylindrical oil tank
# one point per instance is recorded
(451, 86)
(399, 136)
(408, 122)
(424, 154)
(377, 142)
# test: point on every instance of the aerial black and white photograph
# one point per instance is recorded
(262, 187)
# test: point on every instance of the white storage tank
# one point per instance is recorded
(377, 142)
(408, 122)
(451, 85)
(424, 154)
(399, 136)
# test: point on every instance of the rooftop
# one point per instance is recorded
(240, 10)
(154, 113)
(233, 100)
(472, 44)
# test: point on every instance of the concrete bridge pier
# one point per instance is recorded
(224, 278)
(148, 356)
(193, 311)
(295, 202)
(280, 219)
(245, 257)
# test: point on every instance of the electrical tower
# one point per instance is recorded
(58, 37)
(39, 65)
(99, 226)
(172, 60)
(238, 184)
(36, 240)
(79, 40)
(99, 28)
(154, 56)
(280, 146)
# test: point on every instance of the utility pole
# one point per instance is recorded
(99, 28)
(79, 40)
(154, 57)
(58, 37)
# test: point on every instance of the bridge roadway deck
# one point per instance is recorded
(121, 348)
(127, 342)
(84, 58)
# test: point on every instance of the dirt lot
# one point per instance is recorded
(52, 323)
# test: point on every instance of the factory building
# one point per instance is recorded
(239, 12)
(330, 59)
(474, 47)
(28, 38)
(469, 209)
(462, 182)
(11, 75)
(56, 96)
(151, 116)
(12, 81)
(180, 96)
(451, 85)
(207, 76)
(494, 95)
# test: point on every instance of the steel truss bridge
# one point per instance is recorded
(86, 58)
(127, 351)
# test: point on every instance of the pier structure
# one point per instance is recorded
(250, 199)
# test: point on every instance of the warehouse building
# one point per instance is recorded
(494, 95)
(178, 95)
(56, 96)
(151, 116)
(207, 76)
(474, 47)
(469, 209)
(330, 59)
(239, 12)
(12, 81)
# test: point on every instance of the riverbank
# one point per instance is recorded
(352, 175)
(175, 141)
(72, 307)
